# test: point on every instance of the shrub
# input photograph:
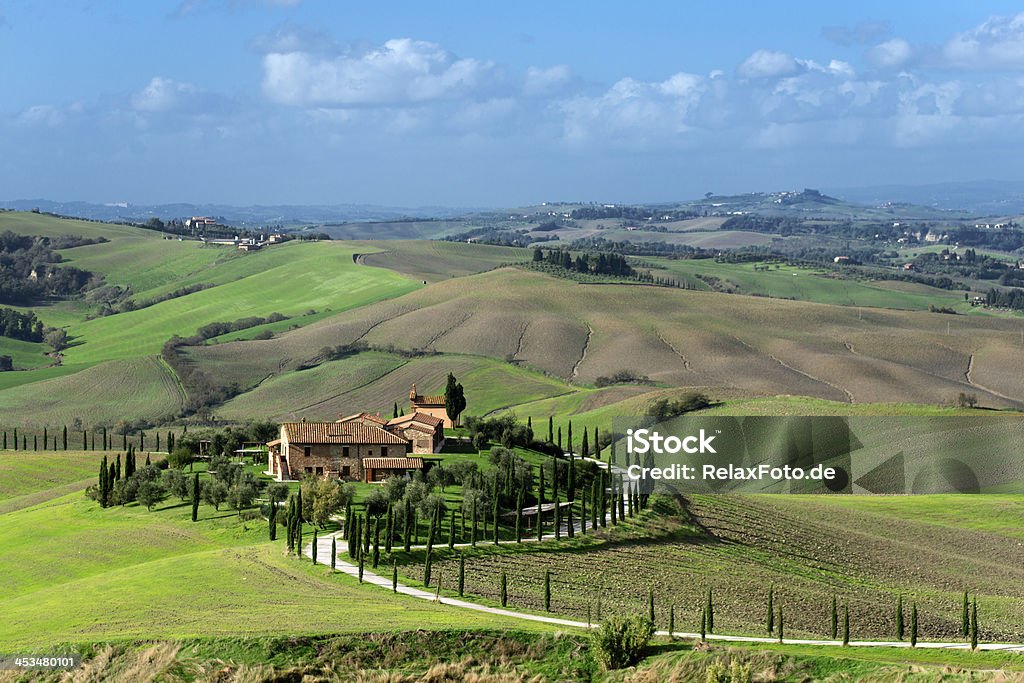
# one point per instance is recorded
(664, 409)
(621, 641)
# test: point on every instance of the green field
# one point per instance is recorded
(807, 284)
(25, 355)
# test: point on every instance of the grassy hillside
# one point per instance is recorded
(376, 381)
(865, 551)
(723, 342)
(807, 284)
(140, 388)
(433, 261)
(289, 279)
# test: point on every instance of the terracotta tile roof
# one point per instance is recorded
(333, 432)
(393, 463)
(428, 400)
(422, 418)
(363, 417)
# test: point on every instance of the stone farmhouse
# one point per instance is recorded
(360, 447)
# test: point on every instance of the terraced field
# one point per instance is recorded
(865, 551)
(739, 345)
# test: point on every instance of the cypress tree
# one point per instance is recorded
(394, 576)
(334, 553)
(407, 526)
(671, 620)
(158, 442)
(570, 437)
(64, 438)
(5, 439)
(585, 446)
(148, 463)
(621, 498)
(846, 623)
(547, 590)
(111, 478)
(362, 565)
(472, 533)
(551, 429)
(85, 440)
(353, 547)
(432, 529)
(629, 503)
(102, 483)
(124, 437)
(615, 494)
(974, 624)
(540, 506)
(195, 507)
(389, 529)
(170, 441)
(495, 512)
(770, 621)
(298, 537)
(594, 504)
(597, 445)
(650, 600)
(462, 573)
(271, 517)
(781, 625)
(568, 521)
(426, 568)
(415, 526)
(451, 530)
(965, 618)
(913, 624)
(24, 442)
(313, 550)
(704, 623)
(367, 532)
(376, 542)
(35, 442)
(519, 517)
(558, 519)
(710, 610)
(46, 437)
(599, 607)
(16, 439)
(117, 468)
(559, 437)
(835, 619)
(899, 618)
(142, 441)
(583, 511)
(504, 590)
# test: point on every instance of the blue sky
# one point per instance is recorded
(497, 104)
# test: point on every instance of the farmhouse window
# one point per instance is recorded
(383, 451)
(309, 470)
(369, 452)
(320, 471)
(346, 471)
(344, 451)
(307, 451)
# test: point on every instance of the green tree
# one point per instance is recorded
(974, 624)
(151, 493)
(899, 618)
(394, 576)
(781, 624)
(504, 589)
(710, 609)
(621, 641)
(334, 553)
(64, 438)
(312, 552)
(846, 623)
(913, 625)
(462, 573)
(426, 568)
(547, 590)
(671, 620)
(650, 600)
(214, 492)
(271, 516)
(770, 621)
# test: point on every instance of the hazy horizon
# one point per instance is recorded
(244, 102)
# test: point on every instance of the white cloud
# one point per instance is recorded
(543, 81)
(41, 114)
(998, 43)
(891, 54)
(163, 94)
(768, 64)
(402, 71)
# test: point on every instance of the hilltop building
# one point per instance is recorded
(430, 405)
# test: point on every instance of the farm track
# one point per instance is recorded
(583, 354)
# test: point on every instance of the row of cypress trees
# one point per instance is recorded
(60, 441)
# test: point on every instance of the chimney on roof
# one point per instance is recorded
(302, 420)
(412, 392)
